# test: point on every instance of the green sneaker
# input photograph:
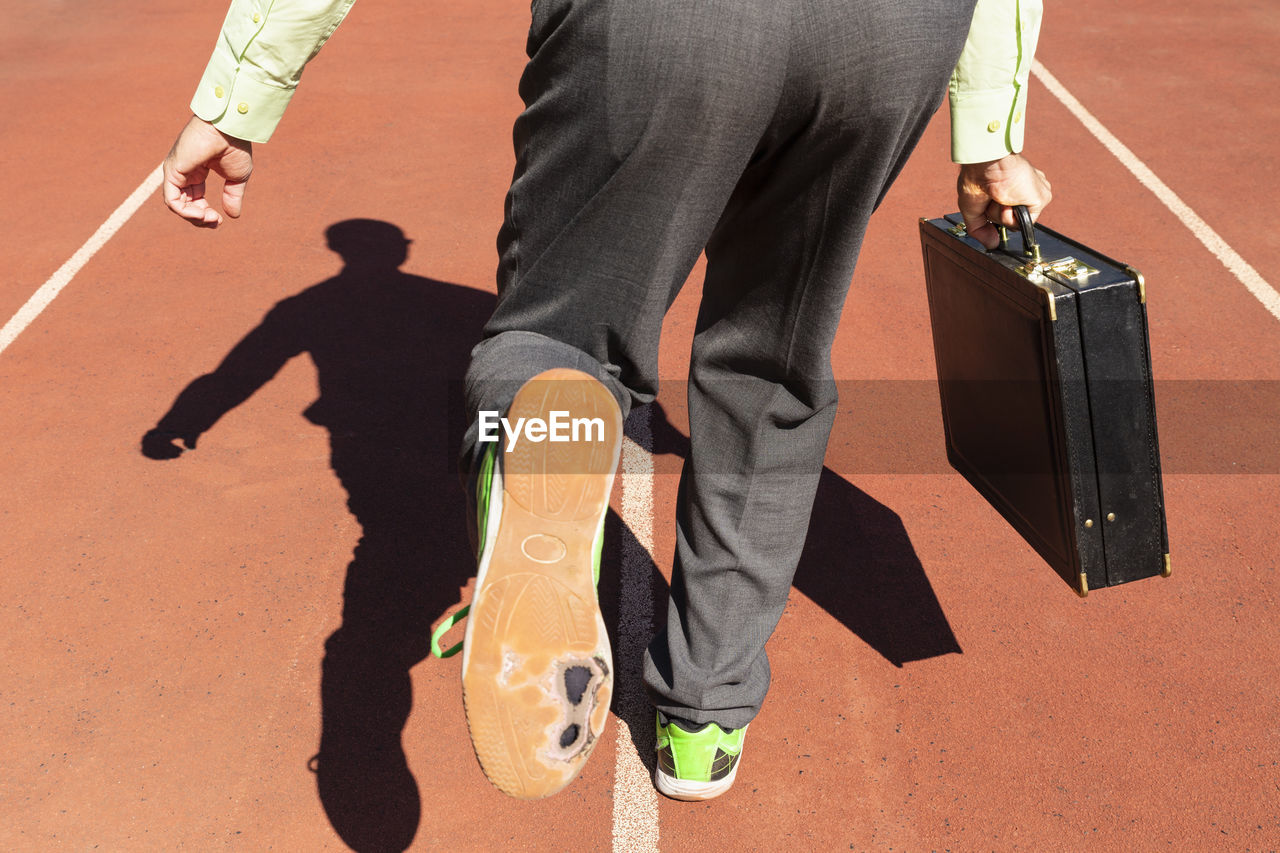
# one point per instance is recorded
(697, 765)
(536, 668)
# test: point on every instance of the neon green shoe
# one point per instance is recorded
(696, 765)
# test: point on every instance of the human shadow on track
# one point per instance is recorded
(390, 350)
(859, 565)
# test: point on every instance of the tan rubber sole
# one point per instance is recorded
(538, 674)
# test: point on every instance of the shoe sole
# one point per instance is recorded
(537, 672)
(692, 792)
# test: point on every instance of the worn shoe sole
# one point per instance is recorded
(537, 674)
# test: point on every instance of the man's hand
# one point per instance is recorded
(159, 444)
(200, 149)
(988, 192)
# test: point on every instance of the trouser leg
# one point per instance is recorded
(646, 124)
(863, 81)
(640, 117)
(632, 141)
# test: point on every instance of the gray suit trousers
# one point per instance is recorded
(765, 132)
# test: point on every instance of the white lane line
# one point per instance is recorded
(1231, 259)
(635, 803)
(50, 289)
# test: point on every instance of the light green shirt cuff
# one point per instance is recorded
(258, 61)
(988, 91)
(232, 100)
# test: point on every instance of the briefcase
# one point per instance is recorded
(1044, 374)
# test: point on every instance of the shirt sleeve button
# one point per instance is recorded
(242, 108)
(993, 126)
(1017, 117)
(257, 18)
(218, 91)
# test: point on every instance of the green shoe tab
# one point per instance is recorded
(484, 490)
(706, 755)
(597, 551)
(444, 629)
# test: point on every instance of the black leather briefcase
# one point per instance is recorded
(1044, 373)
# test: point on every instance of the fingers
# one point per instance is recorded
(984, 232)
(1002, 214)
(199, 149)
(233, 197)
(187, 200)
(976, 208)
(988, 192)
(158, 444)
(1034, 192)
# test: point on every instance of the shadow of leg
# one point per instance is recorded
(363, 778)
(405, 571)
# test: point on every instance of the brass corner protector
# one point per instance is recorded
(1053, 309)
(1083, 591)
(1167, 570)
(1142, 283)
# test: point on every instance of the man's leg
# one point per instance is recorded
(863, 81)
(641, 116)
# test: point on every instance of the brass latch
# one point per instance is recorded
(1064, 270)
(1067, 270)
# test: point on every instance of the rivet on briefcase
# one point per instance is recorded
(1044, 374)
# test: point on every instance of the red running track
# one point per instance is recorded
(935, 685)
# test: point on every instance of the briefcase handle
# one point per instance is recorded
(1030, 247)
